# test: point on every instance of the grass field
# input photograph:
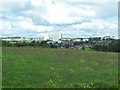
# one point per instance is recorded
(27, 67)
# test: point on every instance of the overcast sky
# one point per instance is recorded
(72, 18)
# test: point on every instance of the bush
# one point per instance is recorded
(112, 47)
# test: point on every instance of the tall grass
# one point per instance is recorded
(27, 67)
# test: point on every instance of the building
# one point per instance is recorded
(14, 39)
(108, 37)
(56, 36)
(46, 36)
(85, 39)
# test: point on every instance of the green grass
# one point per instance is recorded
(28, 67)
(88, 49)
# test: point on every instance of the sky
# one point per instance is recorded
(72, 18)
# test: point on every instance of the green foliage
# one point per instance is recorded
(53, 46)
(8, 44)
(27, 67)
(114, 46)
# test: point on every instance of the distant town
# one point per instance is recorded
(54, 37)
(56, 40)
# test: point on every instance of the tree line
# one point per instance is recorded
(32, 44)
(114, 46)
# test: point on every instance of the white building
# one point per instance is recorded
(85, 39)
(56, 36)
(46, 36)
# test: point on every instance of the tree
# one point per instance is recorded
(33, 43)
(114, 46)
(83, 48)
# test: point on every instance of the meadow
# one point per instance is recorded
(27, 67)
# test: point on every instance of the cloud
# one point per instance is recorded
(78, 1)
(72, 18)
(13, 7)
(6, 28)
(96, 27)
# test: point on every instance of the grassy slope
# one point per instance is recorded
(0, 67)
(41, 67)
